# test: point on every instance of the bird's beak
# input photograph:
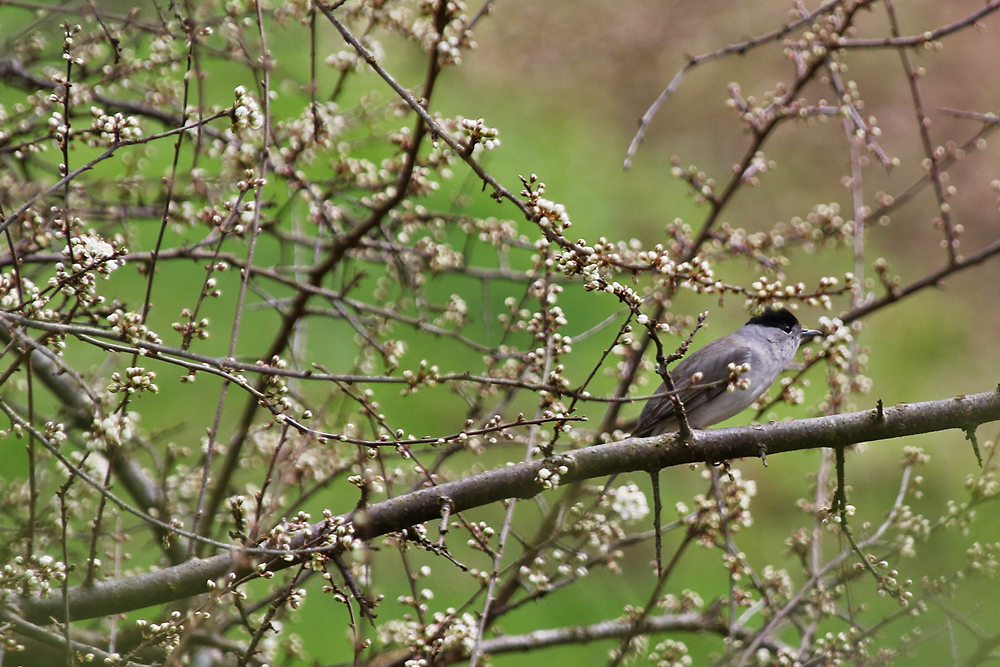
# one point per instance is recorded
(808, 334)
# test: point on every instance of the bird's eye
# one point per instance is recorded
(787, 328)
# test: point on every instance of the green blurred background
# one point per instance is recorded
(564, 82)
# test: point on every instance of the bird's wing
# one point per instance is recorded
(714, 367)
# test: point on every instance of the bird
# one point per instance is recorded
(703, 379)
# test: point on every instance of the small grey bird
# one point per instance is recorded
(767, 342)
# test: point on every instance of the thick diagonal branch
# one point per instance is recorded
(522, 481)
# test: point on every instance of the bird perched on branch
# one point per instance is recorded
(723, 378)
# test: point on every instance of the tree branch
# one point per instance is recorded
(522, 481)
(685, 622)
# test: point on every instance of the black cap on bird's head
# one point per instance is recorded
(782, 318)
(779, 318)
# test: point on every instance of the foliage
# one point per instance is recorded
(251, 311)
